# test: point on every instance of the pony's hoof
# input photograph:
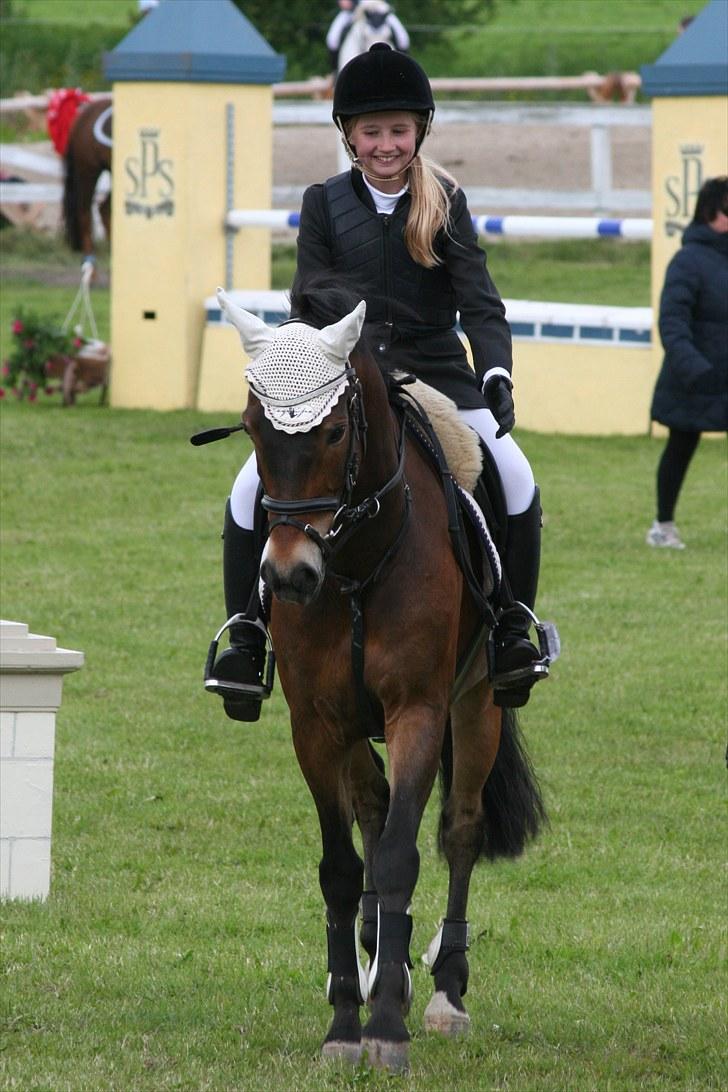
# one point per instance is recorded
(340, 1050)
(442, 1016)
(384, 1054)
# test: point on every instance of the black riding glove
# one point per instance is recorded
(499, 400)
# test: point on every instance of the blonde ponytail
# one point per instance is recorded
(429, 211)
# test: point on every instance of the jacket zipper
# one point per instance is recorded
(387, 268)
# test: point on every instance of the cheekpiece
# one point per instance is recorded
(296, 383)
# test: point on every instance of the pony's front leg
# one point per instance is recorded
(414, 742)
(370, 795)
(326, 769)
(475, 727)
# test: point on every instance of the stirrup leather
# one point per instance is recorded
(228, 688)
(549, 645)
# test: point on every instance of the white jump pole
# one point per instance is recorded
(546, 227)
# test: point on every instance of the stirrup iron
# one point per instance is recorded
(229, 688)
(549, 645)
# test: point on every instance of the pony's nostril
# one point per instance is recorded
(305, 581)
(299, 584)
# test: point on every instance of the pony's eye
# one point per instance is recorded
(336, 435)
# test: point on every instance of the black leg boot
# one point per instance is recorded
(518, 664)
(237, 673)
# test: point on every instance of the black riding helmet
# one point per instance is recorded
(380, 80)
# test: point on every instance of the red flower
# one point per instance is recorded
(32, 397)
(29, 344)
(2, 392)
(77, 342)
(17, 327)
(6, 368)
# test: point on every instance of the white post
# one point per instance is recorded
(601, 166)
(31, 683)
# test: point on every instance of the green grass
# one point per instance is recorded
(183, 943)
(605, 271)
(558, 37)
(111, 13)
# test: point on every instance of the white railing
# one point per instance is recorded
(537, 320)
(321, 85)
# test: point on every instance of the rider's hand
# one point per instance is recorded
(499, 400)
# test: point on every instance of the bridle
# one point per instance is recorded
(347, 516)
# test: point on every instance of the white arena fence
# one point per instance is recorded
(524, 227)
(318, 85)
(532, 320)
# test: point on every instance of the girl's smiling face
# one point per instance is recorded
(385, 146)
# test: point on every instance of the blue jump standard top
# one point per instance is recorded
(696, 63)
(194, 41)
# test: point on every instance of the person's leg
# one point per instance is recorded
(238, 671)
(515, 653)
(671, 471)
(513, 466)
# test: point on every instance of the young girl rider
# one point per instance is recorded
(399, 228)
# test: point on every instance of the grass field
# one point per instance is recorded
(183, 943)
(114, 13)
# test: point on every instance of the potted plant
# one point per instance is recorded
(44, 358)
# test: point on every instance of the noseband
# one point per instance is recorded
(347, 516)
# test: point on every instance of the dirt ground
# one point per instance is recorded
(499, 156)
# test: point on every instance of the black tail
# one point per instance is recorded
(71, 225)
(513, 808)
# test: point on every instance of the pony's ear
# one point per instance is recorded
(254, 333)
(339, 339)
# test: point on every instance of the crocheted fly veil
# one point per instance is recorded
(297, 372)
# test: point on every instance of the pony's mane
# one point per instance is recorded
(322, 298)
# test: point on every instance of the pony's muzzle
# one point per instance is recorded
(295, 576)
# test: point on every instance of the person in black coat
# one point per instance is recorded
(691, 393)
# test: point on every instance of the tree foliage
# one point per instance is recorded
(298, 28)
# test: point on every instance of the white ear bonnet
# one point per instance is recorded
(297, 372)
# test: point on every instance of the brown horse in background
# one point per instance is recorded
(87, 155)
(358, 523)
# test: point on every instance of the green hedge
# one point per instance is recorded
(34, 57)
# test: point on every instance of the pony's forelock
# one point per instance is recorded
(322, 299)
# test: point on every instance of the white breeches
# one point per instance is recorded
(513, 467)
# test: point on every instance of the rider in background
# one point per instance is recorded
(377, 13)
(398, 228)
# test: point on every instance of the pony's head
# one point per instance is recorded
(304, 416)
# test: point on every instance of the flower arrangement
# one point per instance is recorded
(38, 345)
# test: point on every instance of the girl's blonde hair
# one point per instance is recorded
(431, 188)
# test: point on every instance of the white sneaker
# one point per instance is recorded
(665, 535)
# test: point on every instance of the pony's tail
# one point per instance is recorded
(71, 226)
(513, 807)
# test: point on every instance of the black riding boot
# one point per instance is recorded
(518, 663)
(237, 673)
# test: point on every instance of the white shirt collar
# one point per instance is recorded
(384, 202)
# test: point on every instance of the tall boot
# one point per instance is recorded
(237, 673)
(518, 664)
